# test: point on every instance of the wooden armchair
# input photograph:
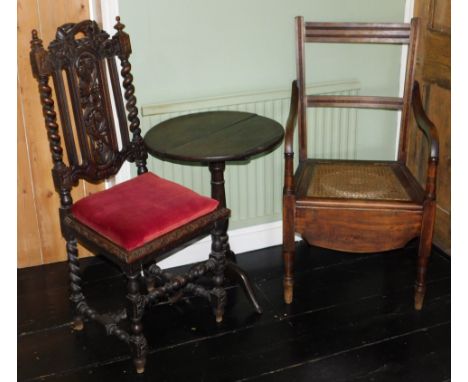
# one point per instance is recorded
(136, 223)
(358, 206)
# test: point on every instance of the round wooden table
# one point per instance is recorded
(214, 138)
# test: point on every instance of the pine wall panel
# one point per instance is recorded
(39, 240)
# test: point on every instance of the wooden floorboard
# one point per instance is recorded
(352, 320)
(413, 356)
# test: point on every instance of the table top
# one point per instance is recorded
(213, 136)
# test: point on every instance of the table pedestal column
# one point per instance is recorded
(232, 269)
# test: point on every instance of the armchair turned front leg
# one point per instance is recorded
(424, 252)
(288, 280)
(289, 246)
(288, 257)
(427, 229)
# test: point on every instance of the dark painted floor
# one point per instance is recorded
(352, 320)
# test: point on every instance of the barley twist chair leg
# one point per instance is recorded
(135, 310)
(76, 295)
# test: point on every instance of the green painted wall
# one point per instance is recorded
(189, 49)
(184, 49)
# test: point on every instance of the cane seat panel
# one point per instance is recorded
(356, 181)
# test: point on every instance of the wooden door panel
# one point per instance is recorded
(37, 149)
(29, 243)
(38, 231)
(436, 67)
(441, 15)
(438, 104)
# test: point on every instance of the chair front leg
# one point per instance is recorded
(424, 252)
(288, 280)
(219, 248)
(289, 248)
(76, 294)
(135, 310)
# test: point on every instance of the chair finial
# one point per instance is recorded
(119, 26)
(36, 42)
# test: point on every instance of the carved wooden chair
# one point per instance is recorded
(133, 224)
(358, 206)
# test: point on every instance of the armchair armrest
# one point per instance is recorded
(291, 122)
(288, 189)
(430, 131)
(425, 124)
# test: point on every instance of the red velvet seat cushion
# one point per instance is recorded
(139, 210)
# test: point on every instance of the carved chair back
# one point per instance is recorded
(366, 33)
(82, 61)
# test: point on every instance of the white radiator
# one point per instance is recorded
(253, 189)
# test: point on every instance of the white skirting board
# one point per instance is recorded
(241, 240)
